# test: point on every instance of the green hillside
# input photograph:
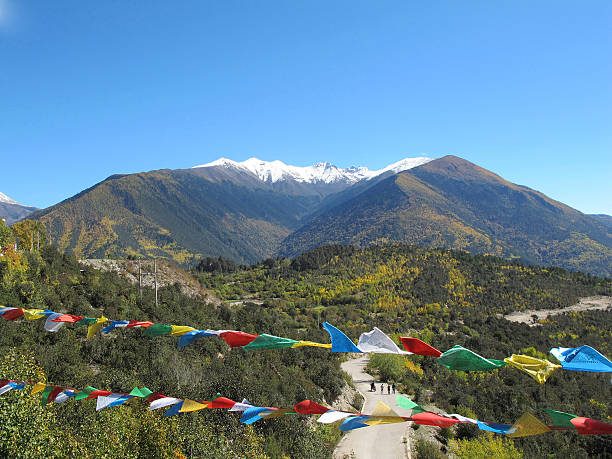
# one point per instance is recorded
(455, 204)
(447, 298)
(176, 215)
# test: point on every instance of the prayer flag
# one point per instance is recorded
(416, 346)
(163, 402)
(583, 358)
(354, 422)
(265, 341)
(191, 336)
(12, 313)
(333, 416)
(561, 419)
(51, 325)
(538, 369)
(407, 404)
(96, 326)
(431, 419)
(310, 407)
(460, 358)
(157, 330)
(586, 426)
(376, 341)
(190, 405)
(340, 342)
(528, 425)
(179, 330)
(237, 338)
(68, 318)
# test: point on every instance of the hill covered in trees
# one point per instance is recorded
(442, 297)
(447, 298)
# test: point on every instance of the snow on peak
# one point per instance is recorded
(274, 171)
(5, 198)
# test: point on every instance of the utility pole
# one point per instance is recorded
(37, 241)
(155, 277)
(139, 280)
(31, 242)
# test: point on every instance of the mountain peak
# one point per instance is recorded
(6, 199)
(321, 172)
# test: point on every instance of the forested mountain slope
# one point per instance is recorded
(450, 202)
(177, 215)
(126, 358)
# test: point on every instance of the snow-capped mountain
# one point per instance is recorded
(323, 172)
(6, 199)
(12, 211)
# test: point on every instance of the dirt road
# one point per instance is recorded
(585, 304)
(382, 441)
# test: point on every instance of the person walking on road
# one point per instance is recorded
(382, 389)
(394, 388)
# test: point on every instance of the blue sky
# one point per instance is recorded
(90, 89)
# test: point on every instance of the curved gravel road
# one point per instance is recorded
(379, 442)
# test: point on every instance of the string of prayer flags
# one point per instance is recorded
(526, 425)
(538, 369)
(583, 358)
(460, 358)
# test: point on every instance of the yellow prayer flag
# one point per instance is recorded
(528, 425)
(180, 330)
(38, 387)
(96, 326)
(311, 343)
(383, 414)
(33, 314)
(538, 369)
(376, 420)
(190, 405)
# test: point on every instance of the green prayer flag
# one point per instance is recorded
(561, 419)
(460, 358)
(45, 394)
(157, 330)
(264, 341)
(143, 392)
(87, 321)
(84, 393)
(407, 404)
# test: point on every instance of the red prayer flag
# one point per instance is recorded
(221, 402)
(310, 407)
(431, 419)
(155, 396)
(237, 338)
(416, 346)
(98, 393)
(54, 393)
(587, 426)
(13, 314)
(69, 318)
